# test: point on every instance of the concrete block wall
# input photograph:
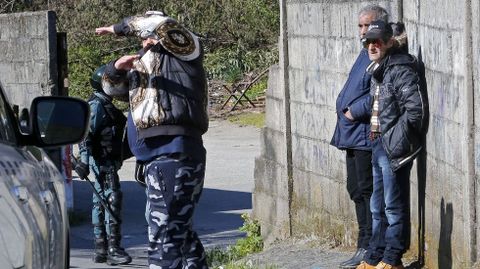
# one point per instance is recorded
(475, 7)
(321, 53)
(271, 179)
(28, 64)
(309, 193)
(29, 68)
(437, 31)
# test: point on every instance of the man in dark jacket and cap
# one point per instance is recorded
(166, 87)
(352, 136)
(399, 115)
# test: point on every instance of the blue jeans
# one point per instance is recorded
(390, 209)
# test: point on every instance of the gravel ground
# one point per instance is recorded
(300, 253)
(311, 253)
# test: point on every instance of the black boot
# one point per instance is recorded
(116, 254)
(355, 260)
(100, 253)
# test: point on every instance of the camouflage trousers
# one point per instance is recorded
(174, 186)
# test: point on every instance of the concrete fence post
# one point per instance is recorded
(288, 123)
(470, 133)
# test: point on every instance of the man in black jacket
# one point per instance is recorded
(352, 136)
(399, 114)
(166, 87)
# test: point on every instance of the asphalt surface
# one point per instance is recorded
(231, 151)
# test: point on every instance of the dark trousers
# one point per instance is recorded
(360, 187)
(107, 183)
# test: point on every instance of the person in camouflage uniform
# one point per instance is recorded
(166, 85)
(101, 150)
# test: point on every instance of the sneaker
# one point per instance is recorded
(354, 261)
(383, 265)
(365, 265)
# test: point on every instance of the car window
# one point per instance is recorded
(7, 133)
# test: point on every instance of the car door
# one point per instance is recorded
(30, 216)
(21, 214)
(52, 194)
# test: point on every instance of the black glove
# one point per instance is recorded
(82, 170)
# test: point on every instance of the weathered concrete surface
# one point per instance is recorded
(475, 57)
(28, 62)
(437, 33)
(321, 51)
(322, 43)
(270, 196)
(29, 66)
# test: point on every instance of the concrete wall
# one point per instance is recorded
(28, 62)
(300, 178)
(33, 64)
(439, 31)
(475, 69)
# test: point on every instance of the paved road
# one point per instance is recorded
(231, 151)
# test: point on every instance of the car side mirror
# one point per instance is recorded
(58, 121)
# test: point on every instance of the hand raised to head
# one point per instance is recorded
(126, 62)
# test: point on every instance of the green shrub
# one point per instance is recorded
(239, 35)
(230, 63)
(258, 89)
(251, 243)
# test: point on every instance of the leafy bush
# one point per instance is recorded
(84, 60)
(252, 243)
(239, 35)
(258, 89)
(230, 63)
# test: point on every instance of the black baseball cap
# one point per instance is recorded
(379, 30)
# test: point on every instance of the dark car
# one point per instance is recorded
(33, 215)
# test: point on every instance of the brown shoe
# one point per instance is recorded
(365, 265)
(383, 265)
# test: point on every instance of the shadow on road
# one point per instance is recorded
(217, 212)
(220, 210)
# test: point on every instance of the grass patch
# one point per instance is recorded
(258, 89)
(249, 119)
(77, 218)
(230, 258)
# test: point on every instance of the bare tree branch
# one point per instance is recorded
(6, 6)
